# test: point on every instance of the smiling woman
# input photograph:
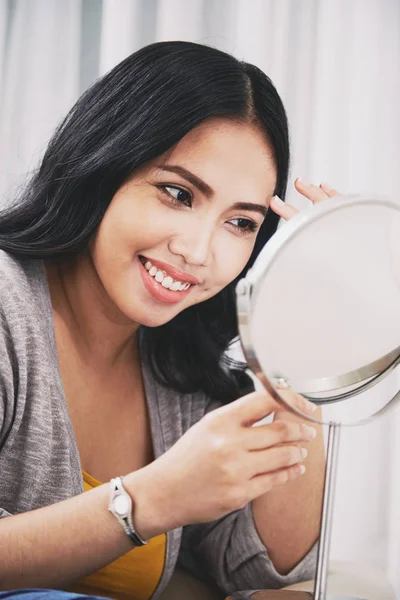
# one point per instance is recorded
(197, 232)
(151, 105)
(118, 266)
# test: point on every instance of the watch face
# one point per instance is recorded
(121, 505)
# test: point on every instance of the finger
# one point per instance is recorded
(278, 432)
(329, 191)
(296, 400)
(252, 408)
(288, 415)
(261, 484)
(273, 459)
(310, 191)
(286, 211)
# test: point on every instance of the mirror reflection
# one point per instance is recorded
(342, 268)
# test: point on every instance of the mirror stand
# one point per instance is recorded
(332, 453)
(321, 578)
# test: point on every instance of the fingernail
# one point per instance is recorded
(278, 201)
(302, 469)
(309, 432)
(282, 384)
(302, 181)
(303, 453)
(326, 185)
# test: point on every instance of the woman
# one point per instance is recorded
(118, 268)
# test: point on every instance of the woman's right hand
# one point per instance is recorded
(219, 465)
(222, 463)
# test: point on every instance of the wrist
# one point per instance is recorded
(149, 516)
(121, 506)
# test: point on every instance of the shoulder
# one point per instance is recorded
(12, 299)
(24, 310)
(17, 276)
(22, 289)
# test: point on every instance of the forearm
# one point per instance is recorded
(288, 517)
(58, 544)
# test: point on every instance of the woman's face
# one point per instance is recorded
(189, 219)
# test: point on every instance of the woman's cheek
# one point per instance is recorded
(232, 259)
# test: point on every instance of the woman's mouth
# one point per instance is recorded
(161, 285)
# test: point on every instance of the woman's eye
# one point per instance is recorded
(244, 225)
(177, 195)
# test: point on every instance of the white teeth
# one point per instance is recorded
(166, 280)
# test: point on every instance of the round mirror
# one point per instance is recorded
(319, 311)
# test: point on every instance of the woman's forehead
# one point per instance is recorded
(226, 153)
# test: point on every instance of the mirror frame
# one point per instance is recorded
(246, 293)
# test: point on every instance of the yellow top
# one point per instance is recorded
(135, 575)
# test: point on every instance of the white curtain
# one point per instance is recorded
(336, 64)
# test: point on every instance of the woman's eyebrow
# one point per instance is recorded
(203, 187)
(250, 206)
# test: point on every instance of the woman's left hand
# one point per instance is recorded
(313, 192)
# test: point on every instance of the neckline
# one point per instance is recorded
(149, 386)
(89, 479)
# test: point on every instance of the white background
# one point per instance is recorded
(336, 64)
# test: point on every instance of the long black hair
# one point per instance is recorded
(137, 111)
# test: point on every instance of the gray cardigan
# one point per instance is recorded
(39, 459)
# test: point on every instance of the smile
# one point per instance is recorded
(163, 278)
(161, 285)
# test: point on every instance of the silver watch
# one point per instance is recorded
(121, 507)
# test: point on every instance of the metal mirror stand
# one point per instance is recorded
(243, 296)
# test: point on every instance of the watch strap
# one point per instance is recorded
(120, 506)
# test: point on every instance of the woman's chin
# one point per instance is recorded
(151, 317)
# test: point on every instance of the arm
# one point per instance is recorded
(288, 517)
(230, 554)
(55, 545)
(58, 544)
(230, 551)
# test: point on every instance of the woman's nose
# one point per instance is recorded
(194, 244)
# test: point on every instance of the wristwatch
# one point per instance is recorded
(121, 507)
